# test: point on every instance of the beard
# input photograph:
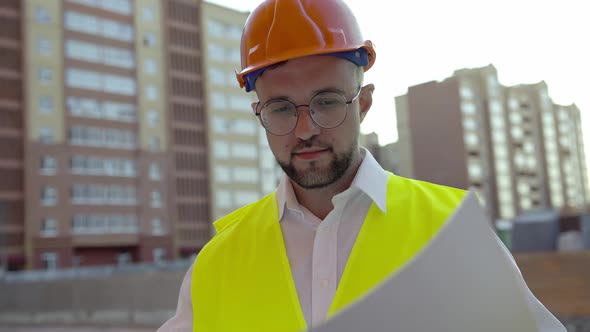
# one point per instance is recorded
(315, 176)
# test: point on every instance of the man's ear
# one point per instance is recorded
(254, 105)
(366, 100)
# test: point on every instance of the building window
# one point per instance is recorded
(49, 227)
(46, 135)
(151, 92)
(245, 174)
(152, 118)
(223, 199)
(112, 56)
(240, 103)
(222, 174)
(49, 261)
(44, 75)
(215, 28)
(507, 211)
(216, 76)
(503, 181)
(154, 144)
(244, 151)
(221, 150)
(46, 104)
(159, 255)
(469, 123)
(150, 66)
(234, 32)
(48, 165)
(95, 194)
(513, 103)
(157, 227)
(102, 137)
(154, 172)
(218, 100)
(97, 26)
(474, 169)
(117, 6)
(499, 137)
(48, 196)
(44, 46)
(525, 203)
(497, 122)
(156, 199)
(42, 15)
(118, 57)
(471, 139)
(465, 92)
(468, 107)
(220, 125)
(101, 110)
(495, 107)
(233, 56)
(501, 152)
(90, 80)
(149, 39)
(244, 127)
(98, 224)
(118, 85)
(517, 133)
(84, 79)
(515, 118)
(245, 197)
(216, 52)
(147, 14)
(123, 259)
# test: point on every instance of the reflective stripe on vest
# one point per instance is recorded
(242, 280)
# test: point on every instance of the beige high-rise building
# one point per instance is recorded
(512, 144)
(123, 132)
(240, 160)
(95, 143)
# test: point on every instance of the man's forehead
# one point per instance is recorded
(316, 70)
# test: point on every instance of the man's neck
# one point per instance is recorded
(319, 200)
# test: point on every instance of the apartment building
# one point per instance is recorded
(242, 166)
(123, 132)
(95, 138)
(513, 145)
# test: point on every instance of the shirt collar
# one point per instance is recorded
(370, 179)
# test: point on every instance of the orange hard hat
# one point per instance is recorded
(280, 30)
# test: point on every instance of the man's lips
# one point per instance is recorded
(310, 154)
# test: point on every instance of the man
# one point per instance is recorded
(338, 224)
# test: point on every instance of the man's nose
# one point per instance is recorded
(306, 127)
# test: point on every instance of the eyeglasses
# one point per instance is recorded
(328, 110)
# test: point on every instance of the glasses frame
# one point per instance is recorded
(348, 102)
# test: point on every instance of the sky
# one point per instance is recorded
(427, 40)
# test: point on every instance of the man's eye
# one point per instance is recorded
(281, 109)
(327, 102)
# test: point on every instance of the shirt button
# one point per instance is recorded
(324, 283)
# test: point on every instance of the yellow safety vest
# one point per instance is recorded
(242, 280)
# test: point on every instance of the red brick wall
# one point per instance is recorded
(561, 281)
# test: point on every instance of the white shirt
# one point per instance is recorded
(317, 250)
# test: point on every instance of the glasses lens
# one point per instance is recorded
(328, 109)
(279, 117)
